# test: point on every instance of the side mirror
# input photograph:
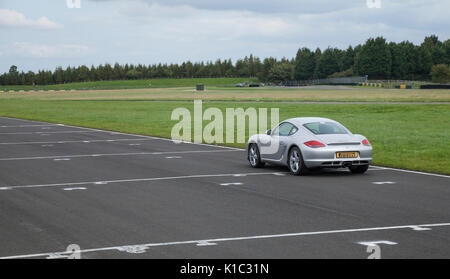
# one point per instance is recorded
(269, 132)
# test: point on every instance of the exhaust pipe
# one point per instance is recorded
(347, 164)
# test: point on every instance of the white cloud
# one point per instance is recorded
(10, 18)
(31, 50)
(182, 20)
(260, 6)
(186, 23)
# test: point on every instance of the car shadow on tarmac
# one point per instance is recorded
(313, 172)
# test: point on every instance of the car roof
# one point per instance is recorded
(299, 121)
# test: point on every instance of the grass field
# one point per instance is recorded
(241, 94)
(131, 84)
(404, 136)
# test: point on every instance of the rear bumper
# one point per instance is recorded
(326, 157)
(338, 163)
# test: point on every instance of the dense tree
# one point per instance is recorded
(440, 73)
(134, 74)
(346, 73)
(374, 59)
(435, 48)
(13, 75)
(348, 58)
(446, 47)
(328, 63)
(317, 55)
(283, 71)
(268, 63)
(404, 61)
(305, 63)
(424, 62)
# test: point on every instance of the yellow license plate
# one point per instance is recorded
(346, 155)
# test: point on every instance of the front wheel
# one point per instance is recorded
(295, 163)
(254, 157)
(359, 169)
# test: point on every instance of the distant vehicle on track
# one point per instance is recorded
(308, 143)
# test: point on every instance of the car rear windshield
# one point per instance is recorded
(325, 128)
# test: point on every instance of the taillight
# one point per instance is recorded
(314, 144)
(366, 142)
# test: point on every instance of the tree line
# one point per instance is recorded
(377, 59)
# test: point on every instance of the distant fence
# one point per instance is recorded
(327, 81)
(435, 86)
(391, 84)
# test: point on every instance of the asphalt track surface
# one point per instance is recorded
(125, 196)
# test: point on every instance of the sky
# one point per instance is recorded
(45, 34)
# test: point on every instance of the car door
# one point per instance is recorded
(280, 135)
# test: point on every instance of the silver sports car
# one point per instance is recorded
(308, 143)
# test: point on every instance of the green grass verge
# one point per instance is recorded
(130, 84)
(404, 136)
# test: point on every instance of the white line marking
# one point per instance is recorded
(47, 133)
(73, 141)
(205, 243)
(62, 159)
(174, 157)
(56, 256)
(375, 243)
(383, 182)
(74, 189)
(130, 180)
(47, 145)
(418, 228)
(23, 120)
(136, 249)
(232, 184)
(115, 154)
(24, 126)
(377, 168)
(216, 240)
(415, 172)
(5, 188)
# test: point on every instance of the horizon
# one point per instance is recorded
(205, 62)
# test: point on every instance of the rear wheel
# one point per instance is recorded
(254, 157)
(359, 169)
(295, 163)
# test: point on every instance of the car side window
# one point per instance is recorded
(293, 131)
(285, 129)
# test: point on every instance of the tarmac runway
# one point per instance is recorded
(117, 195)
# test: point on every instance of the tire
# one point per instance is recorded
(254, 156)
(295, 162)
(359, 169)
